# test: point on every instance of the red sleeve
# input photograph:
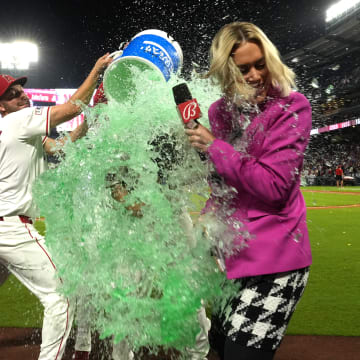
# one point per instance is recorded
(99, 96)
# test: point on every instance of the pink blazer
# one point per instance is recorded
(263, 165)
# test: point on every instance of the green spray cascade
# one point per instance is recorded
(143, 276)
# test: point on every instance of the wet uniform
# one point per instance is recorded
(22, 248)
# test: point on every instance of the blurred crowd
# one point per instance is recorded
(320, 163)
(347, 79)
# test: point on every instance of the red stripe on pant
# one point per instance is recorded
(67, 300)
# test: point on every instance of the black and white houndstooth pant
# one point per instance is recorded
(258, 314)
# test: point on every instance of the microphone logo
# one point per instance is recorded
(189, 110)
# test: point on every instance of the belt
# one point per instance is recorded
(24, 219)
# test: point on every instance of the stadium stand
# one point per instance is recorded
(329, 69)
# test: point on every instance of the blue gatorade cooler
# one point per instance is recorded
(153, 51)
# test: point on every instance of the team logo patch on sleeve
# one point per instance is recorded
(38, 110)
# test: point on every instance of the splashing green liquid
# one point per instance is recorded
(142, 272)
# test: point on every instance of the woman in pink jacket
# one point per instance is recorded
(259, 131)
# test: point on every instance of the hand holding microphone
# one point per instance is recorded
(199, 136)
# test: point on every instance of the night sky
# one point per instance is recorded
(71, 35)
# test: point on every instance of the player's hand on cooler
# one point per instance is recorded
(200, 137)
(102, 63)
(117, 53)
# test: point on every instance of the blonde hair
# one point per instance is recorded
(223, 68)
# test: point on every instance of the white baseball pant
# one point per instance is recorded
(23, 251)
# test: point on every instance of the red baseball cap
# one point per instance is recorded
(6, 81)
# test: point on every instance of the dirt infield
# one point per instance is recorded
(332, 207)
(332, 192)
(24, 344)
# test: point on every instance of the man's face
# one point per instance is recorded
(14, 99)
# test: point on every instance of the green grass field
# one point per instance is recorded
(330, 305)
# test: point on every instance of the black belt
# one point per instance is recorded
(24, 219)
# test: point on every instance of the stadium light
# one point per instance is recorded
(340, 8)
(18, 55)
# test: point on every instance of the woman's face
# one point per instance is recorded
(250, 60)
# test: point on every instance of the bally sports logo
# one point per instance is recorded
(189, 110)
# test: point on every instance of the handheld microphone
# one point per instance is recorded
(188, 109)
(187, 106)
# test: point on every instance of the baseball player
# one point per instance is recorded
(84, 313)
(122, 351)
(23, 142)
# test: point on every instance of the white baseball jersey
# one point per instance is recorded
(22, 134)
